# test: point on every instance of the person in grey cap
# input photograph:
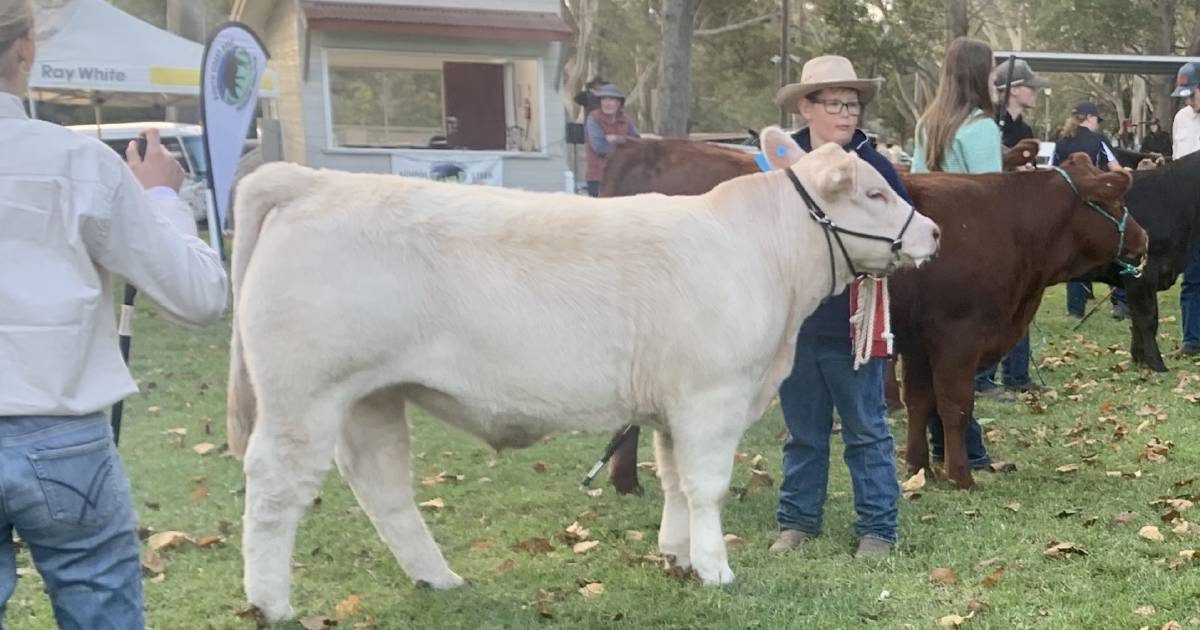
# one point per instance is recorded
(1022, 97)
(1186, 136)
(606, 126)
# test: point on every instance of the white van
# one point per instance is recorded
(185, 142)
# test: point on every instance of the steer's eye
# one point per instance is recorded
(877, 195)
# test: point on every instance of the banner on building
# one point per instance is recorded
(487, 170)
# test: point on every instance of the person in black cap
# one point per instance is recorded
(1022, 97)
(1081, 135)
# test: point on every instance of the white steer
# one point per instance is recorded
(513, 314)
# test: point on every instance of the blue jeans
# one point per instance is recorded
(977, 455)
(823, 379)
(64, 490)
(1189, 301)
(594, 188)
(1016, 369)
(1078, 294)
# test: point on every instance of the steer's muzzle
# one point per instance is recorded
(920, 244)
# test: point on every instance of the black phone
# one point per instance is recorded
(141, 146)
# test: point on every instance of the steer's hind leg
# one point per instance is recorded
(289, 453)
(704, 446)
(374, 455)
(674, 531)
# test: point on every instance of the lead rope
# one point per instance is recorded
(870, 312)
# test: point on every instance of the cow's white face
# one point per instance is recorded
(856, 198)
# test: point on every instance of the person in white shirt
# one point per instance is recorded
(71, 213)
(1185, 134)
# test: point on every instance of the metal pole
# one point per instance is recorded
(32, 105)
(785, 60)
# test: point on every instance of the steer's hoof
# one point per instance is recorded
(443, 583)
(270, 613)
(715, 576)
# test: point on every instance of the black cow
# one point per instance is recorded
(1166, 202)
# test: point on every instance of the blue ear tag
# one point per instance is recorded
(761, 160)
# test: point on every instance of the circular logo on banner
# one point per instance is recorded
(448, 172)
(237, 72)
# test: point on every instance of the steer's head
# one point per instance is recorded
(879, 230)
(1100, 223)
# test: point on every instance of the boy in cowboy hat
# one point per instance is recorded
(831, 98)
(606, 125)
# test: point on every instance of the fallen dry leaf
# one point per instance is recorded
(543, 605)
(347, 607)
(977, 606)
(1151, 533)
(534, 546)
(954, 621)
(760, 479)
(153, 562)
(506, 566)
(1060, 550)
(1124, 518)
(914, 483)
(585, 546)
(595, 492)
(317, 623)
(758, 462)
(733, 540)
(1179, 505)
(539, 467)
(204, 448)
(169, 540)
(575, 532)
(200, 494)
(591, 590)
(1144, 611)
(210, 541)
(181, 431)
(369, 622)
(480, 545)
(993, 580)
(1172, 625)
(942, 575)
(1137, 474)
(1069, 468)
(436, 503)
(1015, 507)
(634, 535)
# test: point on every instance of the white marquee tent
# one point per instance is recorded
(90, 52)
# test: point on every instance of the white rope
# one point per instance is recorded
(864, 318)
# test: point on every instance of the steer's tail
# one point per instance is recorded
(258, 194)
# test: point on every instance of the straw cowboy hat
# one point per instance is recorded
(828, 71)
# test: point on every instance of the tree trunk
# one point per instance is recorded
(579, 63)
(675, 73)
(1163, 44)
(957, 22)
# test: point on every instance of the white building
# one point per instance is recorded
(399, 86)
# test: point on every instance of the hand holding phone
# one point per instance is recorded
(151, 163)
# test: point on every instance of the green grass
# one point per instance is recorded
(182, 374)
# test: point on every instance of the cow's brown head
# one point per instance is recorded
(1102, 223)
(877, 230)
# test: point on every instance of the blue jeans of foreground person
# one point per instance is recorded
(1189, 302)
(64, 490)
(823, 379)
(1016, 369)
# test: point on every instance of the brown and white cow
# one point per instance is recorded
(1009, 236)
(511, 315)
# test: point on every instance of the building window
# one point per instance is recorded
(396, 101)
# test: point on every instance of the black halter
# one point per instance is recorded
(834, 232)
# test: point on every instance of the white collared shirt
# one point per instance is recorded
(1185, 132)
(71, 212)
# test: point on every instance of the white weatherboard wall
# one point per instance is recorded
(542, 170)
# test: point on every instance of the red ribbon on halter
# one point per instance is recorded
(881, 332)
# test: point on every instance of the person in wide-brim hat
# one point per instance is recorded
(828, 71)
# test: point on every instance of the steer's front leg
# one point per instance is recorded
(704, 452)
(674, 533)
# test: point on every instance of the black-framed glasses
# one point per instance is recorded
(835, 107)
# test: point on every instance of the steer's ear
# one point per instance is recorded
(840, 177)
(779, 148)
(1106, 187)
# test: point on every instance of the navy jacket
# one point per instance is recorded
(832, 317)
